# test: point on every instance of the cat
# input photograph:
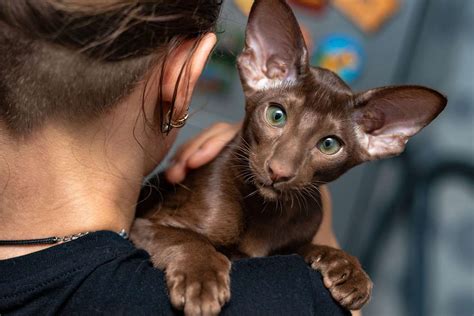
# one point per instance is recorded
(303, 127)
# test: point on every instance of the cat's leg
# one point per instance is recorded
(342, 274)
(197, 275)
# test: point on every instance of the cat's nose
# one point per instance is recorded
(279, 172)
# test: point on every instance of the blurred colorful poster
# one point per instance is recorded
(244, 5)
(314, 5)
(369, 15)
(341, 54)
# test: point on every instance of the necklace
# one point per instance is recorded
(51, 240)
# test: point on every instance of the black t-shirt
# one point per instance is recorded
(102, 273)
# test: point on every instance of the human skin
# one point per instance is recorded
(64, 179)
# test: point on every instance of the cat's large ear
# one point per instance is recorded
(275, 52)
(388, 117)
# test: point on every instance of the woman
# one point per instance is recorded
(91, 96)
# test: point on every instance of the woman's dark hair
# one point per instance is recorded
(74, 59)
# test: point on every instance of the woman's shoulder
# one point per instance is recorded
(125, 283)
(104, 274)
(96, 274)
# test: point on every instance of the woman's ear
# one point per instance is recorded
(183, 67)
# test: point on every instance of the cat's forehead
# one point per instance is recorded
(327, 91)
(324, 99)
(314, 97)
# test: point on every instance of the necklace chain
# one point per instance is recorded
(70, 237)
(51, 240)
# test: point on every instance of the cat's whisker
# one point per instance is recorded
(240, 154)
(242, 167)
(251, 194)
(305, 193)
(298, 199)
(281, 207)
(265, 204)
(248, 177)
(305, 202)
(316, 187)
(185, 187)
(318, 182)
(243, 147)
(245, 143)
(240, 157)
(242, 175)
(314, 190)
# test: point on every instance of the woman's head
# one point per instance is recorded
(71, 61)
(84, 85)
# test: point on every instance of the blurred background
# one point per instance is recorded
(410, 219)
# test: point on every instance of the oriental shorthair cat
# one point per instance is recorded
(304, 127)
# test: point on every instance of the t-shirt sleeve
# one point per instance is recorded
(279, 285)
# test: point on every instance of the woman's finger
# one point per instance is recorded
(204, 147)
(192, 145)
(176, 173)
(210, 149)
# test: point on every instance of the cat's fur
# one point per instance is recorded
(260, 196)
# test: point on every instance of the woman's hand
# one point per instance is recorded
(200, 150)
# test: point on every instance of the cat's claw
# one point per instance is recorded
(199, 288)
(342, 275)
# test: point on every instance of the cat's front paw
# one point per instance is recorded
(199, 287)
(342, 275)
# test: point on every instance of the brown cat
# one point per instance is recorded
(303, 127)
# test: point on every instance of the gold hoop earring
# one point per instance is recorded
(169, 123)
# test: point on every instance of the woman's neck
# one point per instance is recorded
(56, 185)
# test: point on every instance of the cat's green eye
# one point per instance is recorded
(329, 145)
(275, 115)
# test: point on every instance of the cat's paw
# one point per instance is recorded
(342, 275)
(199, 287)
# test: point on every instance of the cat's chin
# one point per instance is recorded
(268, 192)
